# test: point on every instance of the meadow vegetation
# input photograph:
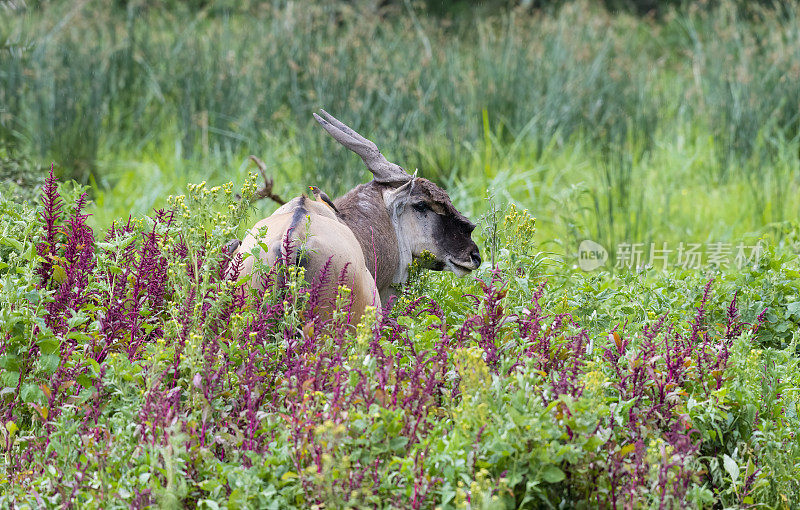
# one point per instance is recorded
(133, 375)
(609, 127)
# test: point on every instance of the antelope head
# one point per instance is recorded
(426, 221)
(409, 212)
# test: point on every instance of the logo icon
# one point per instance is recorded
(591, 255)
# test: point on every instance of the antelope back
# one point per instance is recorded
(317, 241)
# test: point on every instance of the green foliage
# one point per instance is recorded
(608, 126)
(520, 420)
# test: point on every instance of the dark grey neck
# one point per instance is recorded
(364, 211)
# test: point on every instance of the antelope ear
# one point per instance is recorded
(397, 198)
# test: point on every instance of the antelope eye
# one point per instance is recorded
(420, 206)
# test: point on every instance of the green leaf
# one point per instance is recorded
(793, 310)
(17, 327)
(11, 242)
(288, 475)
(76, 320)
(593, 443)
(731, 467)
(49, 363)
(398, 442)
(84, 380)
(447, 496)
(48, 344)
(237, 499)
(9, 362)
(118, 244)
(209, 484)
(32, 297)
(11, 427)
(209, 503)
(115, 270)
(94, 365)
(625, 450)
(79, 336)
(59, 274)
(9, 378)
(553, 474)
(31, 393)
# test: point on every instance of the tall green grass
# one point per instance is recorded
(608, 127)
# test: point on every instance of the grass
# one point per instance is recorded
(607, 126)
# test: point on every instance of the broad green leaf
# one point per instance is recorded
(31, 393)
(84, 380)
(625, 450)
(33, 297)
(9, 362)
(398, 442)
(593, 443)
(553, 474)
(731, 467)
(49, 362)
(79, 336)
(8, 241)
(48, 344)
(76, 320)
(237, 499)
(793, 309)
(209, 484)
(11, 427)
(59, 274)
(447, 496)
(9, 378)
(95, 366)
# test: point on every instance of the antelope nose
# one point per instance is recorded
(476, 257)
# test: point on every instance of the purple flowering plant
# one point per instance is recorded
(138, 371)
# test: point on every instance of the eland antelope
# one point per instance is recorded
(373, 232)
